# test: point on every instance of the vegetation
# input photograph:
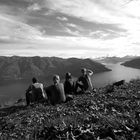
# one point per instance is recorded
(107, 115)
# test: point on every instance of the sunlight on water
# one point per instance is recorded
(118, 72)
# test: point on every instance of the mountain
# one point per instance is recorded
(134, 63)
(26, 67)
(114, 59)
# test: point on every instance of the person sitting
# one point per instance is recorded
(69, 84)
(55, 92)
(84, 81)
(35, 92)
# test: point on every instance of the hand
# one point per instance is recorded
(79, 82)
(89, 72)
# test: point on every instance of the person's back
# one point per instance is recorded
(35, 92)
(68, 84)
(55, 92)
(60, 92)
(38, 91)
(84, 81)
(51, 94)
(69, 87)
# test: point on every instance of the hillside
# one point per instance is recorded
(135, 63)
(26, 67)
(102, 115)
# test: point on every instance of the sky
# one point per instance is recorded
(69, 28)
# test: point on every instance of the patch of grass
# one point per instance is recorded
(88, 116)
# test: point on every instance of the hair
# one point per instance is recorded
(34, 80)
(68, 75)
(83, 70)
(56, 77)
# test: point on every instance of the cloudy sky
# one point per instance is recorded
(69, 28)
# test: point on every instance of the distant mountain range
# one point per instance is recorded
(134, 63)
(114, 59)
(26, 67)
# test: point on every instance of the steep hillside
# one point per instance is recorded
(27, 67)
(103, 115)
(135, 63)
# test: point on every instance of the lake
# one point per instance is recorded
(13, 90)
(119, 72)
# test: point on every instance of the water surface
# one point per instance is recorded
(119, 72)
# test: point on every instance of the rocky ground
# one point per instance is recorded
(106, 114)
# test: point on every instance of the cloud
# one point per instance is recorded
(87, 10)
(34, 7)
(74, 33)
(42, 13)
(107, 12)
(71, 25)
(62, 18)
(13, 30)
(67, 28)
(70, 47)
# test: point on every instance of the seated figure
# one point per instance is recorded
(84, 81)
(55, 92)
(69, 84)
(35, 92)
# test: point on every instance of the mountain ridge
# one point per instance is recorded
(114, 59)
(16, 67)
(134, 63)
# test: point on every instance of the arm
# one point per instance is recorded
(79, 81)
(42, 87)
(43, 91)
(46, 89)
(29, 89)
(89, 72)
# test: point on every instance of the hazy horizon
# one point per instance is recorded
(63, 28)
(72, 57)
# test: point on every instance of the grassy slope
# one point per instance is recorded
(100, 114)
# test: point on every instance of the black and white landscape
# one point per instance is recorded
(40, 38)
